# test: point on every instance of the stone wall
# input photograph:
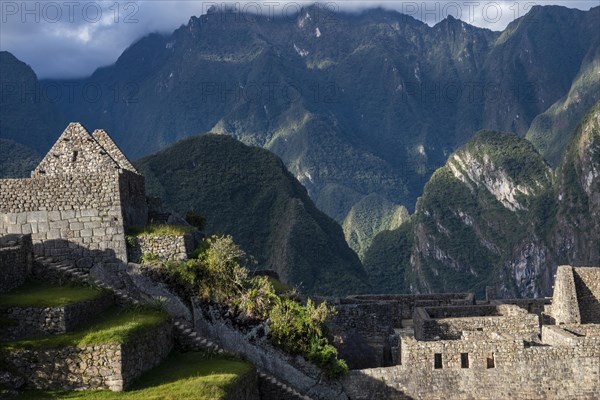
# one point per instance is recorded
(587, 284)
(134, 207)
(165, 247)
(245, 388)
(535, 373)
(361, 332)
(433, 323)
(77, 217)
(303, 376)
(405, 304)
(564, 308)
(145, 352)
(16, 257)
(30, 321)
(110, 366)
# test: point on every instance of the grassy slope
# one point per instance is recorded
(190, 376)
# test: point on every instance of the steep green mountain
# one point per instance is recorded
(551, 131)
(369, 216)
(355, 104)
(247, 192)
(497, 215)
(16, 160)
(27, 114)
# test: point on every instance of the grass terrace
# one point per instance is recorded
(42, 295)
(162, 229)
(190, 376)
(116, 325)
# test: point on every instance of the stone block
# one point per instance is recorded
(37, 216)
(54, 216)
(89, 213)
(86, 233)
(67, 214)
(53, 234)
(14, 229)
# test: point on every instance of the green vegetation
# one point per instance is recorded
(220, 275)
(113, 326)
(462, 238)
(247, 192)
(190, 376)
(368, 217)
(517, 157)
(17, 160)
(299, 329)
(159, 230)
(41, 295)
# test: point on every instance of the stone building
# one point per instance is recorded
(79, 201)
(521, 349)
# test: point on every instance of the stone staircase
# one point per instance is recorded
(271, 388)
(184, 331)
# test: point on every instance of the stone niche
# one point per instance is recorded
(109, 366)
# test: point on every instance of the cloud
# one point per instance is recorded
(67, 39)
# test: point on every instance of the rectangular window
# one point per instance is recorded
(491, 363)
(464, 360)
(75, 154)
(437, 361)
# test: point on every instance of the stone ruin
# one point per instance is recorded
(493, 349)
(81, 200)
(85, 194)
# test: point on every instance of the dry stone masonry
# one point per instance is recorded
(497, 351)
(164, 247)
(79, 201)
(110, 366)
(31, 321)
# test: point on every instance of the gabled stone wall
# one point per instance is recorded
(564, 308)
(79, 202)
(587, 284)
(68, 216)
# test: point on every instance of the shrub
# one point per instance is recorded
(148, 258)
(219, 274)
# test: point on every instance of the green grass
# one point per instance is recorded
(41, 295)
(113, 326)
(162, 229)
(181, 376)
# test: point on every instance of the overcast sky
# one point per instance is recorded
(66, 38)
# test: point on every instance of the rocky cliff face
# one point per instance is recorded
(576, 236)
(497, 215)
(292, 86)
